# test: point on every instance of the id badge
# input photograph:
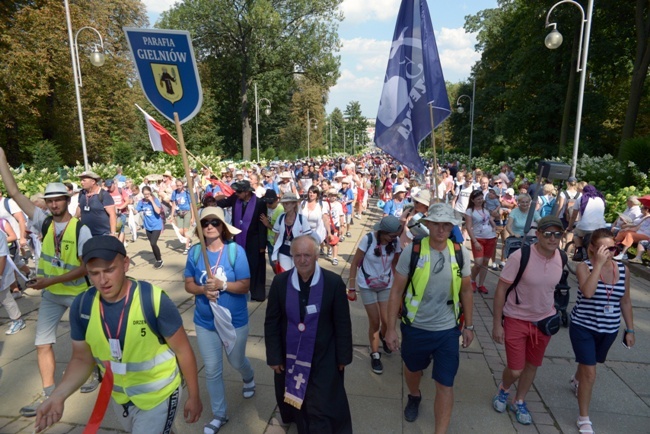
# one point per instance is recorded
(420, 263)
(608, 308)
(116, 349)
(86, 208)
(311, 309)
(56, 262)
(287, 243)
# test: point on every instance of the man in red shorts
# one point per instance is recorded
(531, 301)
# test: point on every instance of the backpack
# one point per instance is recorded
(415, 256)
(547, 206)
(570, 202)
(525, 255)
(146, 301)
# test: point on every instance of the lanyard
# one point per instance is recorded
(119, 326)
(216, 265)
(384, 257)
(58, 239)
(610, 290)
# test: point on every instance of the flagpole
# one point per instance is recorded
(435, 157)
(195, 213)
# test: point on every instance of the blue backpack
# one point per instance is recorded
(547, 206)
(195, 253)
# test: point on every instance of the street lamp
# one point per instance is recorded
(553, 40)
(309, 132)
(267, 111)
(96, 58)
(460, 109)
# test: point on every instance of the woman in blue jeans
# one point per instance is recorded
(229, 288)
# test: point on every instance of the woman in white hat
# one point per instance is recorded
(286, 184)
(288, 226)
(421, 202)
(229, 288)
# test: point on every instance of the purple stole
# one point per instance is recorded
(301, 337)
(243, 222)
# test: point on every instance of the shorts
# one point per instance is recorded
(120, 223)
(372, 296)
(184, 221)
(420, 346)
(348, 217)
(158, 420)
(590, 347)
(489, 246)
(525, 343)
(50, 313)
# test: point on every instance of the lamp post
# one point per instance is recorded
(96, 58)
(553, 40)
(267, 111)
(460, 109)
(309, 132)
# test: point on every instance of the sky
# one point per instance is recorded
(366, 33)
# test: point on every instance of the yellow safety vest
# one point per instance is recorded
(50, 266)
(420, 278)
(149, 369)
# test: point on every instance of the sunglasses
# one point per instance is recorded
(549, 234)
(614, 249)
(498, 183)
(214, 222)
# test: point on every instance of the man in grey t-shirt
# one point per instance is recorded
(429, 313)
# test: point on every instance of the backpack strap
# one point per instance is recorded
(525, 256)
(6, 204)
(146, 301)
(46, 226)
(369, 237)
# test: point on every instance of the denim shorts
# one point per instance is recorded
(590, 347)
(420, 346)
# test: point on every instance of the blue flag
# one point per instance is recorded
(413, 80)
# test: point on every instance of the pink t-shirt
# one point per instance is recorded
(536, 287)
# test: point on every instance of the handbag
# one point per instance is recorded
(551, 324)
(334, 238)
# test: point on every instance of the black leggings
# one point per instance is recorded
(153, 240)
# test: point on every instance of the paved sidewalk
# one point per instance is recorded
(620, 404)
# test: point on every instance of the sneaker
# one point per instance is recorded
(126, 244)
(521, 412)
(574, 385)
(502, 264)
(92, 383)
(357, 216)
(384, 344)
(335, 261)
(158, 264)
(30, 409)
(619, 257)
(412, 408)
(500, 400)
(187, 249)
(341, 239)
(348, 234)
(16, 326)
(635, 261)
(495, 266)
(473, 286)
(482, 289)
(375, 363)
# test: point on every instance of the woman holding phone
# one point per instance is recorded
(153, 222)
(603, 297)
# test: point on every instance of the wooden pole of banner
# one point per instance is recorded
(193, 202)
(435, 157)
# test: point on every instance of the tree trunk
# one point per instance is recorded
(245, 119)
(640, 67)
(570, 90)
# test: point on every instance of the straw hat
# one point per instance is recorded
(217, 212)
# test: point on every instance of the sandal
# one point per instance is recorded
(248, 391)
(588, 430)
(214, 426)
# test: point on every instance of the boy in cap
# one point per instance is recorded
(159, 351)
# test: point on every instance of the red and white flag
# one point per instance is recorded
(161, 139)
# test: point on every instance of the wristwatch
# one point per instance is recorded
(470, 327)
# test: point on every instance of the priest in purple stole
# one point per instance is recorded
(246, 212)
(308, 337)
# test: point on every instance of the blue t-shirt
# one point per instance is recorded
(152, 220)
(182, 200)
(168, 321)
(235, 303)
(393, 208)
(212, 189)
(348, 195)
(271, 186)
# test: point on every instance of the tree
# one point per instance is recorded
(244, 40)
(356, 126)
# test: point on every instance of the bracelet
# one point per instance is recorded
(629, 331)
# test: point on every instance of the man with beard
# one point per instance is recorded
(61, 274)
(247, 212)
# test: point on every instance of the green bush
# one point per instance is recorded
(45, 155)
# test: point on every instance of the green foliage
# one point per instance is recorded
(636, 150)
(616, 201)
(46, 156)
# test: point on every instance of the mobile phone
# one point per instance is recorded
(30, 282)
(623, 341)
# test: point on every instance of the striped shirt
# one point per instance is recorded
(602, 312)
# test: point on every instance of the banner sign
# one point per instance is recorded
(167, 70)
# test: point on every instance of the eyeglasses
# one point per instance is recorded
(438, 266)
(214, 222)
(549, 234)
(497, 183)
(614, 249)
